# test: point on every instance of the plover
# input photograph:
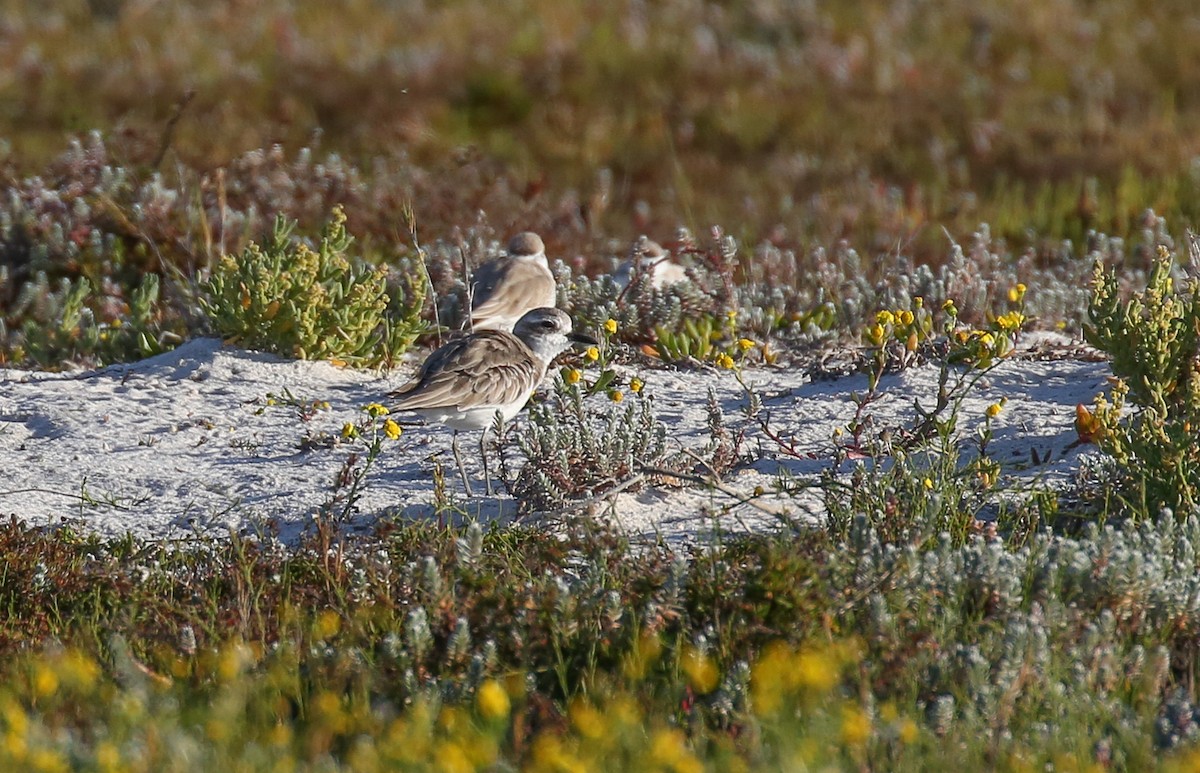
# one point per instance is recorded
(505, 288)
(468, 381)
(651, 261)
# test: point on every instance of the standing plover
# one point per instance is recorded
(468, 381)
(651, 261)
(505, 288)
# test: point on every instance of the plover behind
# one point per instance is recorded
(468, 381)
(505, 288)
(651, 261)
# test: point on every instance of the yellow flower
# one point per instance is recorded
(950, 308)
(668, 748)
(571, 375)
(610, 326)
(885, 317)
(391, 429)
(928, 484)
(875, 334)
(919, 302)
(987, 339)
(905, 317)
(492, 701)
(817, 670)
(592, 353)
(108, 756)
(1016, 293)
(994, 409)
(701, 671)
(586, 719)
(724, 361)
(375, 410)
(451, 758)
(908, 731)
(615, 395)
(635, 385)
(745, 344)
(856, 726)
(45, 681)
(1010, 321)
(349, 431)
(327, 625)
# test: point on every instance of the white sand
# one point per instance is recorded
(183, 443)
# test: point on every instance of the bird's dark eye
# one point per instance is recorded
(548, 324)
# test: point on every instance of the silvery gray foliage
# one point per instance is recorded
(469, 548)
(574, 452)
(1068, 618)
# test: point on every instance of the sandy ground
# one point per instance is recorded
(184, 443)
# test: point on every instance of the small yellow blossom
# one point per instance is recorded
(45, 681)
(375, 410)
(856, 726)
(616, 395)
(816, 670)
(392, 430)
(571, 375)
(905, 317)
(928, 484)
(907, 731)
(349, 431)
(610, 326)
(919, 302)
(668, 749)
(492, 701)
(327, 625)
(745, 344)
(592, 353)
(987, 339)
(993, 410)
(1011, 321)
(1017, 293)
(885, 317)
(724, 361)
(635, 385)
(875, 334)
(587, 719)
(950, 308)
(701, 672)
(108, 756)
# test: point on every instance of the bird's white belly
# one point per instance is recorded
(474, 418)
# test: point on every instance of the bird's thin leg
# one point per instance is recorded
(462, 470)
(487, 475)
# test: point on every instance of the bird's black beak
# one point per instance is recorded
(583, 339)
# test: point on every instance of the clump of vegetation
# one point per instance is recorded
(1153, 339)
(574, 454)
(288, 298)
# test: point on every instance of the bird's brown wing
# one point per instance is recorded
(503, 285)
(483, 369)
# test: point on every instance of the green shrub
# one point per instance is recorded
(61, 325)
(1152, 342)
(287, 298)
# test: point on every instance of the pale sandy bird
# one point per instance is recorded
(650, 260)
(468, 381)
(505, 288)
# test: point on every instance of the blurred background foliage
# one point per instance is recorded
(796, 121)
